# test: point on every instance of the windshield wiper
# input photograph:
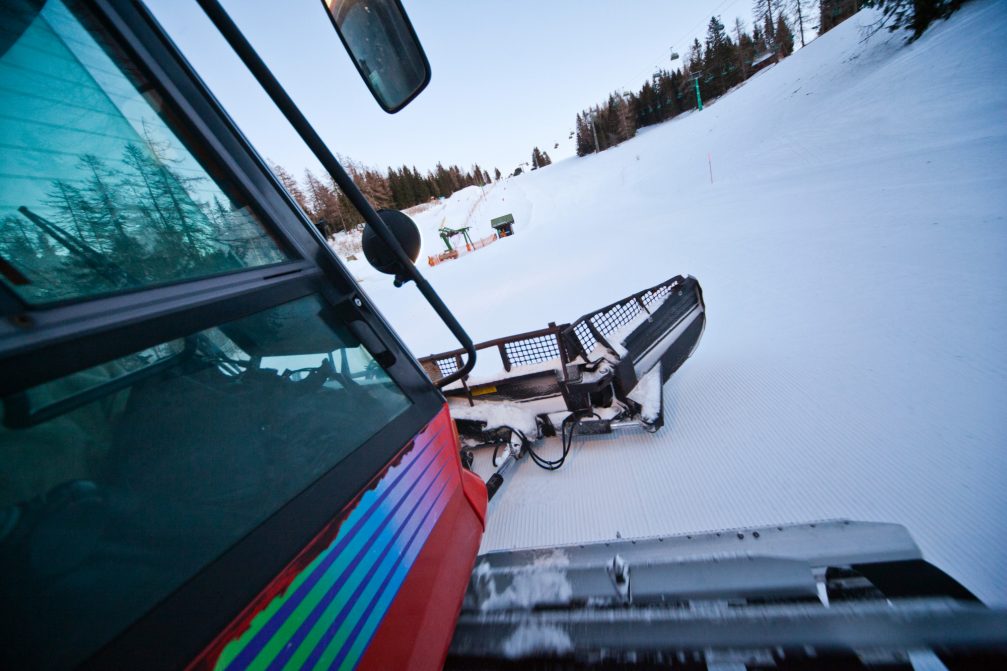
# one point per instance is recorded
(94, 260)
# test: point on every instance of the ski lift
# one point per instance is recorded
(448, 233)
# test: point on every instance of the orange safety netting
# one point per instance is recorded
(461, 251)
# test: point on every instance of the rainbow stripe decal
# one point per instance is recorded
(330, 611)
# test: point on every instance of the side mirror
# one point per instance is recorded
(379, 255)
(384, 47)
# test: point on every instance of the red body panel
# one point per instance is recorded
(417, 630)
(407, 541)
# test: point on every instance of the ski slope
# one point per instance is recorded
(853, 251)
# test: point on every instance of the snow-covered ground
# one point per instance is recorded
(853, 252)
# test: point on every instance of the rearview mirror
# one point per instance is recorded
(384, 47)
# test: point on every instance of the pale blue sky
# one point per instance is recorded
(507, 76)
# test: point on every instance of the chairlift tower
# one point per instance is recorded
(699, 98)
(695, 80)
(448, 233)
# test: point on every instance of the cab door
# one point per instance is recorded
(215, 452)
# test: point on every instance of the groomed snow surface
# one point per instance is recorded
(853, 253)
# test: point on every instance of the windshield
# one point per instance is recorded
(836, 188)
(124, 480)
(100, 191)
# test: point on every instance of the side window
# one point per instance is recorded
(120, 482)
(100, 190)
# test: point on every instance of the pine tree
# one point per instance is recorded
(441, 181)
(432, 186)
(721, 59)
(139, 212)
(913, 15)
(395, 187)
(348, 218)
(801, 11)
(290, 184)
(647, 105)
(670, 92)
(73, 210)
(583, 131)
(324, 205)
(834, 12)
(496, 174)
(457, 179)
(536, 158)
(784, 37)
(101, 204)
(769, 30)
(174, 190)
(686, 91)
(696, 57)
(373, 185)
(407, 188)
(744, 50)
(403, 189)
(765, 12)
(421, 186)
(178, 232)
(759, 40)
(625, 118)
(35, 255)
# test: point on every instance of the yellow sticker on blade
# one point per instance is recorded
(482, 391)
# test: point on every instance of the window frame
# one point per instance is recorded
(41, 343)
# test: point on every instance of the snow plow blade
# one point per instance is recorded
(775, 595)
(607, 367)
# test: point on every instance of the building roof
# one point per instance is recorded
(502, 221)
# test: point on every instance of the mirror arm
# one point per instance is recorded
(279, 96)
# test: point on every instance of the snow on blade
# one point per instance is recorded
(647, 393)
(537, 639)
(497, 415)
(545, 582)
